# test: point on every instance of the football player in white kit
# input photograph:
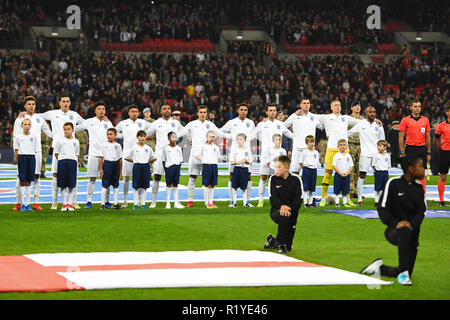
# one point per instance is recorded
(264, 132)
(57, 120)
(127, 129)
(161, 128)
(196, 130)
(370, 133)
(96, 128)
(240, 124)
(38, 124)
(303, 124)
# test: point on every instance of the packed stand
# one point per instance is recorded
(219, 81)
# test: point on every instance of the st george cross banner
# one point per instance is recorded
(213, 268)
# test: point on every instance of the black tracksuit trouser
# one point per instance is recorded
(407, 241)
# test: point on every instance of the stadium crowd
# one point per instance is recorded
(219, 81)
(296, 22)
(16, 17)
(120, 22)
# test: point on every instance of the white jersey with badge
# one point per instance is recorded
(238, 154)
(342, 161)
(67, 149)
(196, 130)
(97, 134)
(265, 130)
(38, 124)
(161, 128)
(111, 151)
(236, 126)
(310, 159)
(210, 154)
(369, 135)
(381, 162)
(140, 154)
(302, 126)
(57, 119)
(274, 154)
(26, 144)
(336, 127)
(172, 155)
(128, 129)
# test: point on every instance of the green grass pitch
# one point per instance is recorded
(324, 238)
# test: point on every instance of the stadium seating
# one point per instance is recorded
(164, 45)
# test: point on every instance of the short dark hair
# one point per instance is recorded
(170, 133)
(99, 103)
(202, 106)
(68, 124)
(113, 130)
(141, 133)
(133, 106)
(64, 96)
(242, 105)
(271, 105)
(284, 160)
(303, 98)
(412, 101)
(409, 160)
(28, 98)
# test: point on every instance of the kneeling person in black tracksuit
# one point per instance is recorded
(402, 207)
(285, 193)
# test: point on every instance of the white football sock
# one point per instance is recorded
(345, 199)
(205, 194)
(116, 196)
(36, 190)
(126, 188)
(233, 195)
(360, 188)
(249, 191)
(55, 190)
(168, 191)
(155, 188)
(90, 189)
(176, 194)
(261, 189)
(230, 191)
(191, 188)
(143, 196)
(63, 196)
(136, 197)
(27, 195)
(18, 195)
(71, 195)
(103, 196)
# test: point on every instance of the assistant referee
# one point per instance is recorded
(442, 135)
(416, 129)
(402, 208)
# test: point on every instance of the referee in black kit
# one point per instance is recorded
(402, 207)
(285, 194)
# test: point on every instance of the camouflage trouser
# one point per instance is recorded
(45, 152)
(82, 153)
(355, 150)
(323, 150)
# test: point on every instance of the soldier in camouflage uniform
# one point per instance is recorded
(323, 149)
(46, 144)
(355, 150)
(150, 141)
(82, 136)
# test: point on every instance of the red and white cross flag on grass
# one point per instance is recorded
(213, 268)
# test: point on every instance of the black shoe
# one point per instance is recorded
(117, 206)
(313, 205)
(307, 205)
(282, 248)
(442, 204)
(270, 243)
